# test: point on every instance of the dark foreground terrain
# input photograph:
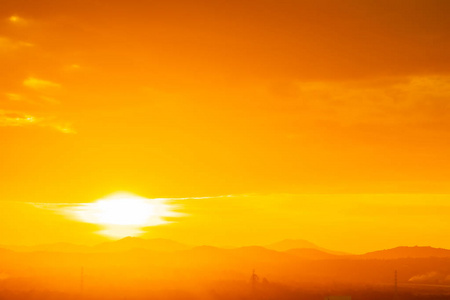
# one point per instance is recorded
(214, 273)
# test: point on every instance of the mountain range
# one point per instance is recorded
(165, 263)
(299, 248)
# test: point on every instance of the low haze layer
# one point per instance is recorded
(267, 101)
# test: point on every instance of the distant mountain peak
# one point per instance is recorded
(289, 244)
(407, 252)
(130, 238)
(130, 242)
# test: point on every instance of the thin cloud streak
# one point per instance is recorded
(11, 118)
(8, 45)
(21, 119)
(40, 84)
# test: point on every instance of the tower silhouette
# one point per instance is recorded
(254, 281)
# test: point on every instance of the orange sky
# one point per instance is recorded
(343, 100)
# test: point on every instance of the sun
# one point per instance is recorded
(124, 209)
(125, 214)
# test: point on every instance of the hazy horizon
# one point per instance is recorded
(398, 224)
(283, 245)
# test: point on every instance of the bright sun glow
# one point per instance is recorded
(124, 214)
(123, 210)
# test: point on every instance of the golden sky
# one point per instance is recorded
(332, 115)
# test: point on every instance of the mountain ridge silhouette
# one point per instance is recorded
(299, 248)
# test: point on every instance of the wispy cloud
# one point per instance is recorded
(45, 90)
(43, 93)
(7, 44)
(32, 99)
(396, 100)
(20, 119)
(17, 20)
(62, 206)
(14, 97)
(64, 128)
(12, 118)
(40, 84)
